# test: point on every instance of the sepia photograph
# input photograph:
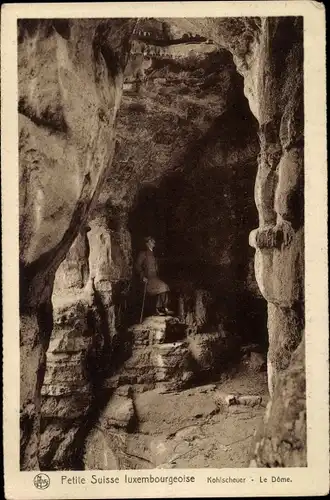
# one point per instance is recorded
(161, 234)
(165, 241)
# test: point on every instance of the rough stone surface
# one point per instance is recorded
(249, 400)
(66, 407)
(286, 328)
(98, 452)
(70, 342)
(33, 362)
(73, 272)
(255, 361)
(78, 346)
(281, 441)
(153, 359)
(118, 413)
(213, 351)
(193, 311)
(279, 240)
(67, 390)
(56, 447)
(151, 330)
(173, 363)
(183, 90)
(190, 428)
(68, 70)
(51, 122)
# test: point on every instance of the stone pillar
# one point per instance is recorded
(67, 389)
(69, 381)
(279, 239)
(100, 263)
(110, 262)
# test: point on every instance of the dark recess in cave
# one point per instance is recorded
(201, 215)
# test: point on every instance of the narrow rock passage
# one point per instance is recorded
(157, 417)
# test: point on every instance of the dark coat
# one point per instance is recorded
(146, 266)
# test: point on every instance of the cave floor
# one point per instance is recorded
(197, 427)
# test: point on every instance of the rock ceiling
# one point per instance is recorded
(178, 84)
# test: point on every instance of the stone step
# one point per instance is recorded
(160, 329)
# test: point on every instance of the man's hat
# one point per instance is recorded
(149, 238)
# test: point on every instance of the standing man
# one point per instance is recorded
(146, 266)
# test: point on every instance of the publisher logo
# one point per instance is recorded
(41, 481)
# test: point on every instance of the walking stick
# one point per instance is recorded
(144, 296)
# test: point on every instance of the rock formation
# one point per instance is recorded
(281, 439)
(197, 117)
(70, 83)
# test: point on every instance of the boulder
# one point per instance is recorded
(119, 412)
(249, 400)
(213, 351)
(255, 361)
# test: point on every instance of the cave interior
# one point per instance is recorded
(186, 145)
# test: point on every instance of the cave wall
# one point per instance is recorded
(279, 240)
(272, 66)
(185, 131)
(70, 83)
(71, 70)
(171, 105)
(201, 215)
(268, 53)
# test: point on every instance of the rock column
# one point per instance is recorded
(279, 239)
